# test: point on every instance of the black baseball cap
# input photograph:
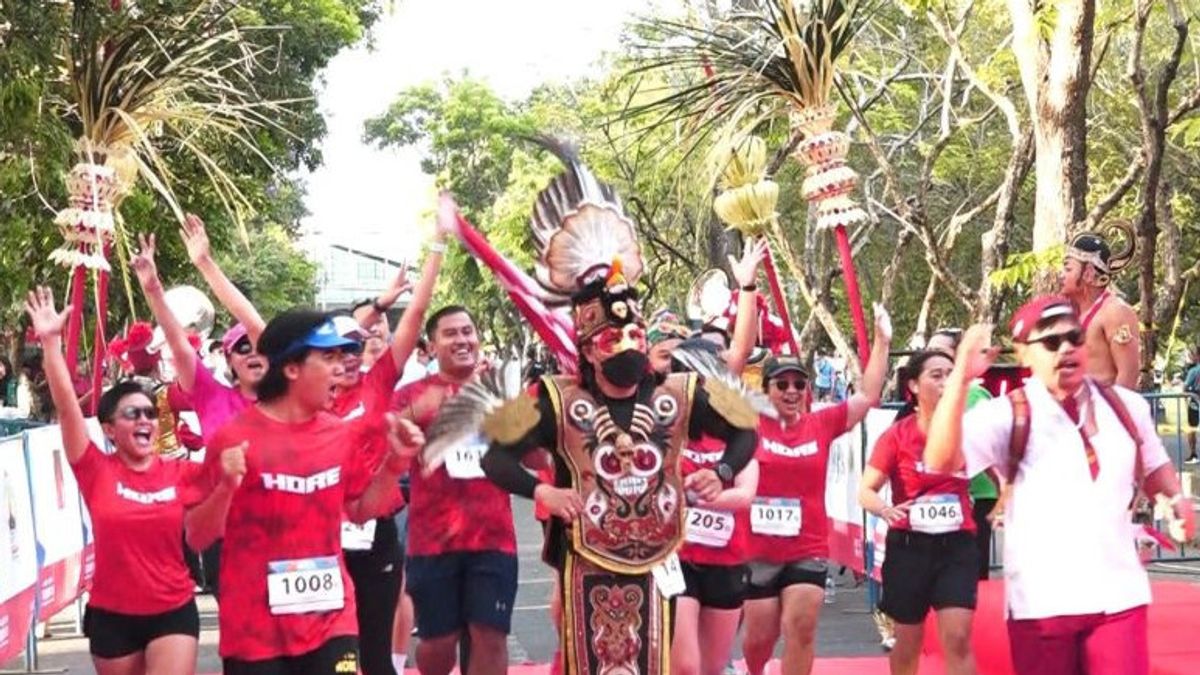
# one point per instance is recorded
(778, 365)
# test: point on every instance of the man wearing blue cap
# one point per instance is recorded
(287, 604)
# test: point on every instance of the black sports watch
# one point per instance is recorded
(724, 472)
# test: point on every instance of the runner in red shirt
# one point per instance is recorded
(372, 549)
(286, 602)
(788, 526)
(141, 616)
(932, 560)
(462, 563)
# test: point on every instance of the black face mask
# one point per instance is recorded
(626, 369)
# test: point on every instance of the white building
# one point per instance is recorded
(348, 275)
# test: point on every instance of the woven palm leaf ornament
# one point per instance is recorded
(143, 85)
(767, 60)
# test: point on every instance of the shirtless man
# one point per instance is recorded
(1110, 324)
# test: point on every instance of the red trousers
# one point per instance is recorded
(1088, 644)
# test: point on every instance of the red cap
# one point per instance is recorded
(1038, 310)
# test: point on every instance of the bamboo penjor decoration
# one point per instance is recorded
(773, 60)
(169, 79)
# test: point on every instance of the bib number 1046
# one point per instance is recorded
(936, 514)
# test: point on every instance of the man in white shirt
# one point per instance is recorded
(1076, 590)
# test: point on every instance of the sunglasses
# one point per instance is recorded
(1055, 340)
(784, 385)
(243, 348)
(132, 412)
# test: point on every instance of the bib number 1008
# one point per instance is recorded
(306, 585)
(302, 584)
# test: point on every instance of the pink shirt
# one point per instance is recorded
(215, 403)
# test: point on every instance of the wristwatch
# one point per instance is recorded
(724, 472)
(378, 307)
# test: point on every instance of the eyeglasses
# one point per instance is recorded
(243, 348)
(1053, 341)
(784, 385)
(132, 412)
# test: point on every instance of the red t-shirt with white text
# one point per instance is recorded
(792, 462)
(137, 518)
(450, 514)
(288, 507)
(898, 454)
(705, 453)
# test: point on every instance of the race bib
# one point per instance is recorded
(305, 585)
(463, 462)
(358, 537)
(668, 577)
(936, 514)
(709, 528)
(775, 517)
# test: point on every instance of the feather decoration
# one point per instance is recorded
(710, 366)
(580, 228)
(460, 420)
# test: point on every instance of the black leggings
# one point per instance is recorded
(983, 534)
(376, 592)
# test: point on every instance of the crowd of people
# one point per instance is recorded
(349, 491)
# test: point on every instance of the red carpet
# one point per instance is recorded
(1174, 649)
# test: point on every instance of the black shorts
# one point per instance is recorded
(453, 590)
(767, 580)
(112, 635)
(1193, 416)
(928, 571)
(716, 586)
(338, 656)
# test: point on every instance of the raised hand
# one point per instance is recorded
(195, 238)
(46, 321)
(405, 440)
(976, 353)
(447, 216)
(399, 285)
(883, 323)
(745, 271)
(143, 263)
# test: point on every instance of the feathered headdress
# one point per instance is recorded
(588, 250)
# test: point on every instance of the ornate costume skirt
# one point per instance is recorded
(613, 624)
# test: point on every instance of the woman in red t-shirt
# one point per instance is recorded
(788, 526)
(931, 558)
(141, 616)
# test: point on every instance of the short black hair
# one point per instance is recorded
(106, 408)
(431, 324)
(367, 302)
(280, 333)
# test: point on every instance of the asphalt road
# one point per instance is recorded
(845, 629)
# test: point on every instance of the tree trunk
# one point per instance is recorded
(995, 241)
(1056, 78)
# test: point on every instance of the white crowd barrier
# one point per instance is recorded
(45, 534)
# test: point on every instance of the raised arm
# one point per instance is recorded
(387, 298)
(943, 450)
(205, 523)
(408, 329)
(404, 440)
(875, 373)
(147, 275)
(745, 329)
(195, 238)
(48, 324)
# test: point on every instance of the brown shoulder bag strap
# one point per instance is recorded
(1113, 399)
(1019, 438)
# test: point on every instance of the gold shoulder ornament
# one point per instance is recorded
(1123, 335)
(512, 420)
(730, 404)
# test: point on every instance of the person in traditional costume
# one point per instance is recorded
(616, 432)
(1110, 325)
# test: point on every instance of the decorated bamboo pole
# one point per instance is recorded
(828, 183)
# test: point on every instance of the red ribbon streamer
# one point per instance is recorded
(853, 298)
(556, 330)
(780, 300)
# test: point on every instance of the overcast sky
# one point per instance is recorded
(372, 199)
